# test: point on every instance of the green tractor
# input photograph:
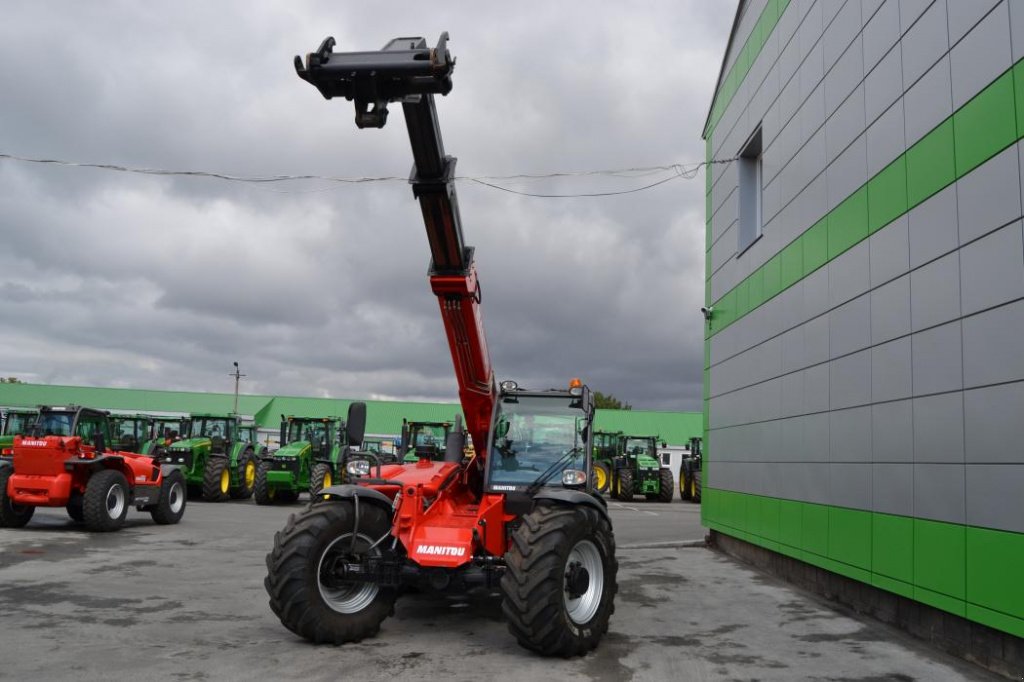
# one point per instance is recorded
(690, 471)
(16, 423)
(215, 457)
(309, 459)
(166, 430)
(426, 440)
(638, 471)
(607, 447)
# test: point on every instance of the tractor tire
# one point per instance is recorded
(171, 506)
(667, 490)
(105, 503)
(308, 605)
(554, 544)
(684, 483)
(262, 492)
(602, 477)
(246, 475)
(216, 479)
(12, 515)
(695, 485)
(74, 508)
(319, 478)
(624, 485)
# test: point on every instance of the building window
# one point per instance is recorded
(750, 192)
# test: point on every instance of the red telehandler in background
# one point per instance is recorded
(521, 516)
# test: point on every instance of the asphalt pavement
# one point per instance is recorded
(187, 602)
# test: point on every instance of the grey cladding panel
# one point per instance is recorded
(992, 269)
(881, 33)
(892, 432)
(850, 380)
(981, 56)
(884, 85)
(848, 172)
(992, 346)
(928, 102)
(849, 275)
(964, 15)
(893, 489)
(890, 310)
(816, 388)
(938, 429)
(886, 139)
(850, 435)
(925, 42)
(939, 492)
(937, 359)
(890, 252)
(989, 196)
(933, 227)
(994, 425)
(850, 326)
(891, 371)
(994, 498)
(850, 485)
(935, 292)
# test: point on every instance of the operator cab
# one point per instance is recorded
(92, 426)
(539, 438)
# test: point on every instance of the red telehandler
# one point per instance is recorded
(521, 516)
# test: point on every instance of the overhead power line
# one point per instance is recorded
(680, 171)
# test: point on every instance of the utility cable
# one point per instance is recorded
(683, 171)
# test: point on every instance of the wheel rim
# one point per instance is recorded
(682, 483)
(115, 501)
(327, 480)
(600, 477)
(349, 597)
(583, 608)
(225, 481)
(175, 498)
(250, 474)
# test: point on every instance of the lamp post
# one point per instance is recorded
(237, 375)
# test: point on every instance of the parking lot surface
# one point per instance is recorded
(187, 602)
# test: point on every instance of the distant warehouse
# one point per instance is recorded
(864, 367)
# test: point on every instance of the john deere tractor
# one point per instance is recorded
(215, 457)
(638, 471)
(16, 423)
(426, 440)
(309, 459)
(690, 472)
(607, 447)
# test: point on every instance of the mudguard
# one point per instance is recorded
(568, 496)
(363, 493)
(168, 468)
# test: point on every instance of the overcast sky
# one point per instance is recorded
(110, 279)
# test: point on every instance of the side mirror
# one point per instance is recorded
(355, 425)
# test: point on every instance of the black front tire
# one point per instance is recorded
(214, 489)
(684, 482)
(542, 614)
(262, 492)
(319, 478)
(667, 490)
(246, 476)
(624, 485)
(12, 515)
(306, 603)
(696, 486)
(105, 503)
(171, 506)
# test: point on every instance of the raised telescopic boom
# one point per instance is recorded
(409, 71)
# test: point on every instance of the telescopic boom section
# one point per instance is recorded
(409, 71)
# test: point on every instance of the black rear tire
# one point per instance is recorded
(246, 476)
(74, 508)
(12, 515)
(171, 506)
(319, 478)
(684, 482)
(542, 614)
(607, 477)
(667, 490)
(310, 606)
(696, 486)
(105, 503)
(624, 485)
(214, 489)
(262, 492)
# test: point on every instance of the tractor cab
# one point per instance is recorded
(539, 438)
(319, 433)
(221, 431)
(424, 440)
(16, 423)
(165, 431)
(131, 432)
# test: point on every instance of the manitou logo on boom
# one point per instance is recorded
(440, 550)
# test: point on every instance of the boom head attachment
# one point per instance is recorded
(403, 70)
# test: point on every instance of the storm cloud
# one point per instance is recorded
(112, 279)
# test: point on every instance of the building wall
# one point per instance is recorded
(864, 376)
